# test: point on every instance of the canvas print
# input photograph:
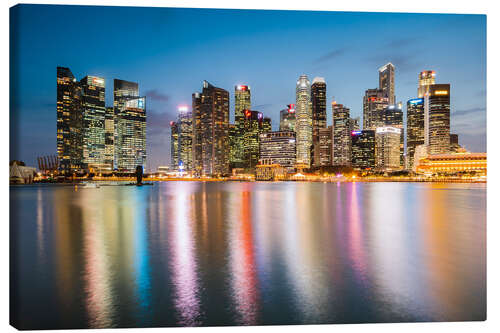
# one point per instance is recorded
(224, 167)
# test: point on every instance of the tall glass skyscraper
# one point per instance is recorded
(386, 81)
(303, 123)
(287, 118)
(387, 148)
(211, 131)
(242, 102)
(425, 79)
(437, 119)
(69, 121)
(415, 128)
(185, 137)
(174, 146)
(363, 149)
(318, 107)
(130, 126)
(341, 135)
(94, 116)
(109, 138)
(374, 103)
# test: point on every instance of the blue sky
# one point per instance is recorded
(170, 51)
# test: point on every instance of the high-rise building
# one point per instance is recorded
(130, 126)
(266, 125)
(211, 131)
(414, 128)
(374, 103)
(109, 138)
(354, 124)
(437, 118)
(325, 144)
(252, 128)
(303, 122)
(363, 149)
(454, 145)
(287, 118)
(174, 146)
(318, 107)
(341, 135)
(69, 121)
(94, 116)
(242, 102)
(185, 124)
(387, 148)
(393, 117)
(278, 148)
(425, 79)
(386, 81)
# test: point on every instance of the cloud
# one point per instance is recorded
(158, 123)
(155, 95)
(468, 111)
(330, 55)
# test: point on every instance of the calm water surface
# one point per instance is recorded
(196, 253)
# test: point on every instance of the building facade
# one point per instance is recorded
(387, 148)
(303, 122)
(425, 79)
(437, 118)
(211, 131)
(318, 109)
(287, 118)
(278, 148)
(185, 123)
(325, 144)
(109, 138)
(341, 135)
(363, 149)
(174, 146)
(415, 128)
(386, 82)
(374, 103)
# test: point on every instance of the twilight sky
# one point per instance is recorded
(170, 51)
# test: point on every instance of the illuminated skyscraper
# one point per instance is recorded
(425, 79)
(437, 118)
(387, 148)
(341, 135)
(185, 127)
(174, 146)
(109, 138)
(386, 82)
(242, 101)
(303, 123)
(363, 149)
(354, 124)
(374, 103)
(130, 126)
(211, 131)
(94, 116)
(266, 125)
(278, 148)
(415, 128)
(325, 146)
(69, 121)
(393, 117)
(287, 118)
(252, 128)
(318, 107)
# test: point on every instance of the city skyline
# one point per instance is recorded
(272, 76)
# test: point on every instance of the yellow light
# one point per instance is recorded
(441, 92)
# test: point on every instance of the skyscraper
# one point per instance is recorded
(185, 127)
(109, 138)
(374, 103)
(325, 146)
(393, 117)
(318, 106)
(415, 128)
(94, 116)
(303, 123)
(425, 79)
(287, 118)
(130, 126)
(387, 148)
(69, 121)
(386, 82)
(211, 131)
(437, 118)
(341, 135)
(363, 149)
(242, 102)
(252, 128)
(174, 146)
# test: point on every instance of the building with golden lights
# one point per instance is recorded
(453, 163)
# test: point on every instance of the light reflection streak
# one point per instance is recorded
(356, 246)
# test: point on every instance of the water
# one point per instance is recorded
(214, 253)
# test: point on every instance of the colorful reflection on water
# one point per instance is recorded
(196, 253)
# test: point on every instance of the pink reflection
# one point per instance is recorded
(183, 263)
(243, 269)
(355, 235)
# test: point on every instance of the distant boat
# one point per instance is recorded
(90, 185)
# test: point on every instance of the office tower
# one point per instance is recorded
(252, 128)
(325, 146)
(303, 122)
(234, 147)
(278, 148)
(341, 135)
(94, 116)
(363, 149)
(414, 128)
(387, 148)
(242, 101)
(174, 146)
(386, 81)
(318, 108)
(109, 138)
(266, 125)
(69, 122)
(211, 131)
(393, 117)
(354, 124)
(425, 79)
(185, 125)
(130, 126)
(374, 103)
(287, 118)
(437, 118)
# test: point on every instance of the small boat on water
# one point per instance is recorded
(90, 185)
